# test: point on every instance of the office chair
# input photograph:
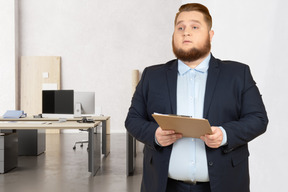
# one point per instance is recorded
(81, 142)
(84, 120)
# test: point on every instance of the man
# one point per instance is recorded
(198, 85)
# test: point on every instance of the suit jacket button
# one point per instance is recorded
(210, 163)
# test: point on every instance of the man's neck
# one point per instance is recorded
(194, 64)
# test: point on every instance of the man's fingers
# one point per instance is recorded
(166, 137)
(214, 140)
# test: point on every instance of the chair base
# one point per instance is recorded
(81, 144)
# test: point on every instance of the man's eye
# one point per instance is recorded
(180, 28)
(194, 27)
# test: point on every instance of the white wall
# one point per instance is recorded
(255, 32)
(8, 55)
(101, 42)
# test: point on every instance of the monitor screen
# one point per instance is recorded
(57, 101)
(86, 101)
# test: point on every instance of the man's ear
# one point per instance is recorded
(211, 34)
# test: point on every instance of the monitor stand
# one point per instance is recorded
(77, 111)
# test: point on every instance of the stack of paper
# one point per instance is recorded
(13, 114)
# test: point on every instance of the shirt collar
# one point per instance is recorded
(202, 67)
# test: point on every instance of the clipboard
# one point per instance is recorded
(188, 126)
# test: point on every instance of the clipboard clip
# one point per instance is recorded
(180, 115)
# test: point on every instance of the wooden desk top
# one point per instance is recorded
(95, 118)
(8, 124)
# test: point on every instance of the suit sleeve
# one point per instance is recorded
(138, 122)
(253, 118)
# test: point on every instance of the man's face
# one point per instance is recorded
(191, 38)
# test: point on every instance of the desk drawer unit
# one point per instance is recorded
(8, 152)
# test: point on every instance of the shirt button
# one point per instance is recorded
(210, 163)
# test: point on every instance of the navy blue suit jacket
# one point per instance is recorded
(232, 100)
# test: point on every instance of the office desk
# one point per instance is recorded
(105, 120)
(94, 153)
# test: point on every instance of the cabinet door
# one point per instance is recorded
(36, 72)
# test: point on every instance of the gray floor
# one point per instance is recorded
(62, 169)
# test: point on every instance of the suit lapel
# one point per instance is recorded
(212, 77)
(171, 76)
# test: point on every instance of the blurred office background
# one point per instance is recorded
(101, 42)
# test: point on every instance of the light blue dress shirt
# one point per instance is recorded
(188, 159)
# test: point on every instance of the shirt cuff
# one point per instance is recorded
(224, 140)
(157, 142)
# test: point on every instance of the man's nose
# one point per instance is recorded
(187, 32)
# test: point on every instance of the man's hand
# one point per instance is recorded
(215, 139)
(166, 137)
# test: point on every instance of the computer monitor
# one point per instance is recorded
(84, 104)
(58, 103)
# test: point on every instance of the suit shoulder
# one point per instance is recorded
(160, 67)
(232, 64)
(157, 72)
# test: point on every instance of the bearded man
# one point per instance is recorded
(199, 85)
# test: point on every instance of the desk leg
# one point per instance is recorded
(106, 137)
(130, 154)
(94, 152)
